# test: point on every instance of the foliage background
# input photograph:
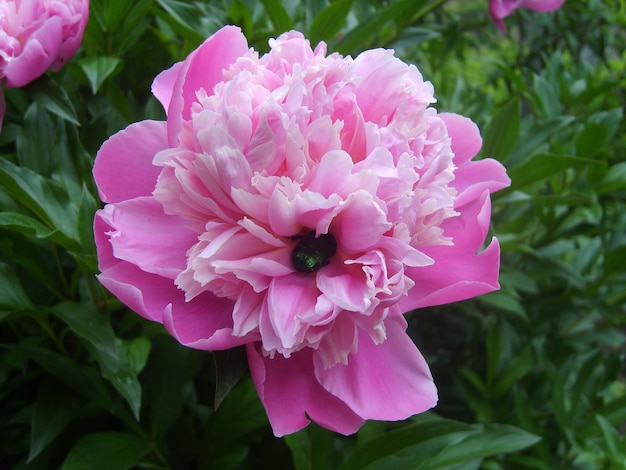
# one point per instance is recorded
(532, 376)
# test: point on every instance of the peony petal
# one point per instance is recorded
(389, 381)
(163, 84)
(289, 392)
(288, 298)
(30, 64)
(465, 138)
(473, 179)
(203, 69)
(140, 231)
(123, 167)
(454, 279)
(353, 233)
(145, 293)
(203, 323)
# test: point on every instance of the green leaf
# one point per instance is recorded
(170, 374)
(83, 379)
(484, 441)
(185, 17)
(230, 366)
(541, 166)
(501, 133)
(437, 443)
(359, 37)
(329, 21)
(42, 196)
(55, 406)
(12, 294)
(278, 15)
(614, 179)
(53, 97)
(37, 142)
(98, 69)
(517, 368)
(25, 224)
(119, 362)
(236, 423)
(591, 139)
(113, 450)
(312, 448)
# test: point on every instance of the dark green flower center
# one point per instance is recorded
(312, 252)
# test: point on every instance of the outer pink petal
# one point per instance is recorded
(464, 135)
(289, 391)
(453, 279)
(147, 237)
(145, 293)
(390, 381)
(33, 61)
(123, 167)
(473, 179)
(203, 323)
(163, 84)
(203, 68)
(71, 44)
(468, 230)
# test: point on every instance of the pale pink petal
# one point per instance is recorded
(289, 391)
(288, 298)
(123, 167)
(389, 381)
(349, 225)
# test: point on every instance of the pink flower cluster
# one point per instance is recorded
(299, 203)
(37, 35)
(499, 9)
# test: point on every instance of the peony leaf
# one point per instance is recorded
(236, 423)
(230, 366)
(44, 197)
(119, 361)
(437, 443)
(329, 21)
(53, 97)
(185, 18)
(54, 408)
(98, 69)
(541, 166)
(501, 133)
(119, 450)
(78, 377)
(12, 294)
(369, 27)
(37, 142)
(278, 15)
(312, 448)
(170, 372)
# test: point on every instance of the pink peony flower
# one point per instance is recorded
(500, 9)
(37, 35)
(299, 203)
